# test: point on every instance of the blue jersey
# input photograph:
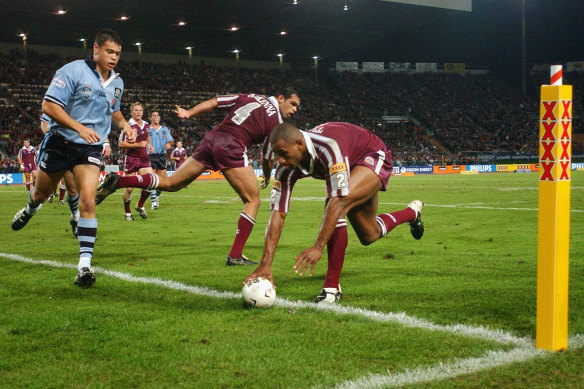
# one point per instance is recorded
(89, 99)
(159, 138)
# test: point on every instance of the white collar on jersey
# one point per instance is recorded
(311, 151)
(132, 121)
(274, 101)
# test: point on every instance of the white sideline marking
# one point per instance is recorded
(498, 336)
(436, 372)
(442, 371)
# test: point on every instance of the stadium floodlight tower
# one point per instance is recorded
(24, 38)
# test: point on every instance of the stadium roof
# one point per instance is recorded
(369, 30)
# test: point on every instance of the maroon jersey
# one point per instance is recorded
(251, 119)
(27, 156)
(335, 148)
(180, 154)
(141, 135)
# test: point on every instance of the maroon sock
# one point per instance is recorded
(336, 247)
(244, 227)
(145, 181)
(61, 194)
(27, 187)
(388, 221)
(143, 197)
(127, 205)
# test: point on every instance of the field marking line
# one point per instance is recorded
(442, 371)
(524, 351)
(498, 336)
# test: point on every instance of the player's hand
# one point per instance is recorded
(151, 149)
(88, 135)
(307, 260)
(181, 112)
(107, 150)
(21, 168)
(131, 134)
(264, 182)
(261, 271)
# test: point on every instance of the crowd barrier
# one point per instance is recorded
(18, 178)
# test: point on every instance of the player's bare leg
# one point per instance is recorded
(243, 180)
(127, 198)
(85, 178)
(362, 214)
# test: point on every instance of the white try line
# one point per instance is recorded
(401, 318)
(440, 371)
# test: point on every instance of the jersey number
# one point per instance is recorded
(341, 180)
(243, 113)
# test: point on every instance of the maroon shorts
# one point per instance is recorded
(29, 167)
(219, 151)
(134, 164)
(381, 164)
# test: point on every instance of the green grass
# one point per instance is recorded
(476, 265)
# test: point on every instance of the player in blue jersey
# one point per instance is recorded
(83, 101)
(162, 141)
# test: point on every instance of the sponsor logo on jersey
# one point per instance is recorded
(117, 92)
(276, 184)
(59, 83)
(338, 167)
(369, 160)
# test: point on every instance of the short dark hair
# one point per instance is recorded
(107, 34)
(287, 92)
(286, 132)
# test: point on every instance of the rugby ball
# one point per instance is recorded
(259, 292)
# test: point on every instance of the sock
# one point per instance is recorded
(28, 186)
(146, 181)
(127, 205)
(244, 227)
(143, 198)
(61, 194)
(86, 233)
(388, 221)
(153, 196)
(32, 207)
(74, 206)
(336, 247)
(158, 194)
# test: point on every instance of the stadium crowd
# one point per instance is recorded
(442, 118)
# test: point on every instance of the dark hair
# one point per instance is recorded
(107, 34)
(287, 92)
(285, 131)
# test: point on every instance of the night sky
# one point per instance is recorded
(372, 30)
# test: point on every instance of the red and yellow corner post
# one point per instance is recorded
(555, 160)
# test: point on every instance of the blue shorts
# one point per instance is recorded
(56, 154)
(158, 161)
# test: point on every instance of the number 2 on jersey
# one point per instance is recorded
(243, 113)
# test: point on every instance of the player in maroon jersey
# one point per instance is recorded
(178, 155)
(136, 159)
(250, 120)
(26, 159)
(356, 165)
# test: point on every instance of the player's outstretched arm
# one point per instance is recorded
(267, 165)
(120, 121)
(308, 258)
(273, 232)
(205, 106)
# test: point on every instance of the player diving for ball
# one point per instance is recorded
(356, 165)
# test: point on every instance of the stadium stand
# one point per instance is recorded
(426, 118)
